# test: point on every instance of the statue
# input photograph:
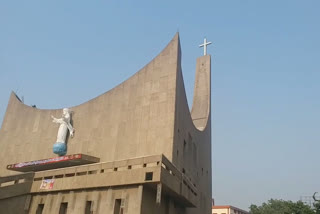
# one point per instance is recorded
(60, 147)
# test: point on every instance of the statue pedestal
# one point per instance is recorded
(53, 163)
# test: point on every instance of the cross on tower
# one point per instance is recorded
(204, 45)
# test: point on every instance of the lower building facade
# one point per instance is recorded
(227, 210)
(137, 186)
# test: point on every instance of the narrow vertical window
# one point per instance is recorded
(40, 209)
(63, 208)
(88, 207)
(117, 204)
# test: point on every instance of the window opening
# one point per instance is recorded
(40, 209)
(88, 207)
(149, 176)
(118, 206)
(63, 208)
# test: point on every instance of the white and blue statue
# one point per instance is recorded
(60, 147)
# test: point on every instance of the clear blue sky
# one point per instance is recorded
(265, 75)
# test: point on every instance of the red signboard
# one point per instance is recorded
(45, 161)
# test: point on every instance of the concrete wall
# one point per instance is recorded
(102, 200)
(136, 118)
(15, 205)
(192, 134)
(147, 114)
(167, 205)
(221, 211)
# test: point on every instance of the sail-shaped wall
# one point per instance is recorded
(154, 153)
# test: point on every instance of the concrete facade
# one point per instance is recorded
(155, 154)
(227, 210)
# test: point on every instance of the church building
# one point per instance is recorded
(136, 149)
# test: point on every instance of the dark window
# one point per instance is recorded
(37, 179)
(93, 172)
(88, 207)
(149, 176)
(49, 177)
(117, 206)
(80, 173)
(58, 176)
(40, 209)
(63, 208)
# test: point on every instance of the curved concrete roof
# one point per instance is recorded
(145, 115)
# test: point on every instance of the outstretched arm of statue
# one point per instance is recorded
(53, 119)
(56, 120)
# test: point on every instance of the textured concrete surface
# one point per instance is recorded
(146, 115)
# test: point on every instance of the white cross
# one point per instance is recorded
(204, 45)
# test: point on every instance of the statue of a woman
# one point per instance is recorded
(60, 146)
